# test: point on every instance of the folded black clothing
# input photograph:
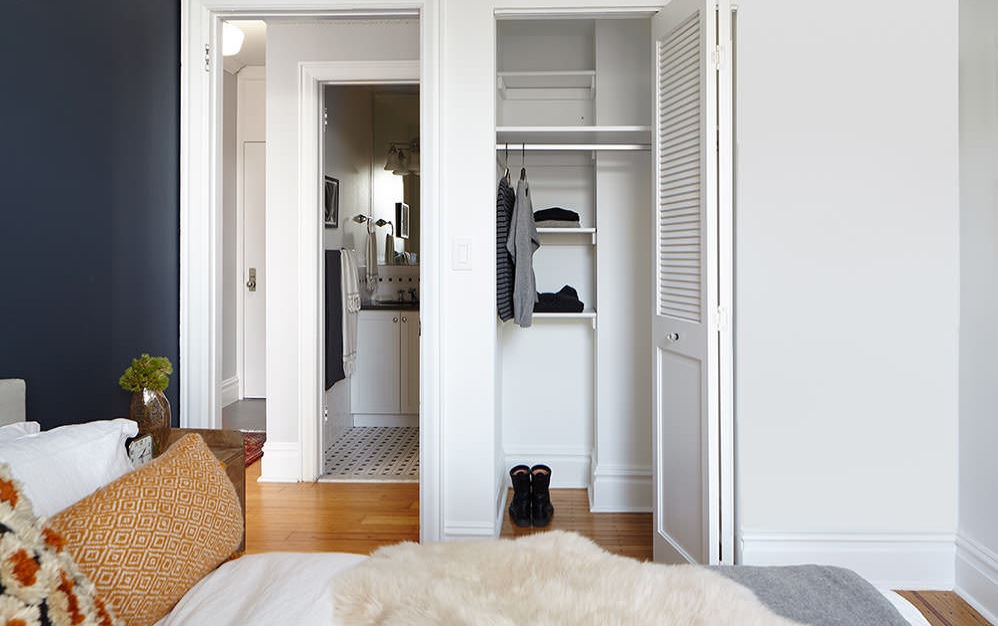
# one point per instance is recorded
(565, 301)
(556, 213)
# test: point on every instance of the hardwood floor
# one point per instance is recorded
(360, 517)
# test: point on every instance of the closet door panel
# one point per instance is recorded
(686, 477)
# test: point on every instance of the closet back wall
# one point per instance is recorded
(90, 205)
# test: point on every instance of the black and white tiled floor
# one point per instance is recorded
(373, 454)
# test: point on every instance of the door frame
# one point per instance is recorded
(723, 514)
(200, 231)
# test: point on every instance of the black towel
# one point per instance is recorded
(556, 213)
(334, 319)
(565, 301)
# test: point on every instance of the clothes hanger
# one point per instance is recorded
(506, 162)
(523, 161)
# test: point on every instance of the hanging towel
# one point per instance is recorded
(522, 242)
(334, 318)
(389, 249)
(505, 201)
(372, 259)
(351, 306)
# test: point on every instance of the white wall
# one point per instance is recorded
(347, 157)
(288, 45)
(977, 544)
(847, 282)
(230, 266)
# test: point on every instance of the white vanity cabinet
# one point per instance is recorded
(387, 378)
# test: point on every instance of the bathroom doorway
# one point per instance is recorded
(370, 168)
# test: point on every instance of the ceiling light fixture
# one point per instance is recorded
(232, 39)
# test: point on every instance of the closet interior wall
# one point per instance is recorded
(576, 389)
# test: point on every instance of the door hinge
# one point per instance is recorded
(721, 321)
(207, 57)
(717, 57)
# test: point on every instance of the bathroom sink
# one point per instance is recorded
(405, 305)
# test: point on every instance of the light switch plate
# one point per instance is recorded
(461, 254)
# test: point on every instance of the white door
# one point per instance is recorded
(685, 424)
(254, 270)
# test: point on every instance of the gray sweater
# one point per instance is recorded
(522, 243)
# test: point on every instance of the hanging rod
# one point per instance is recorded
(585, 147)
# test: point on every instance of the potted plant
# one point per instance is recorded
(147, 377)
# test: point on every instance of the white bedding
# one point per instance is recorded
(271, 588)
(296, 588)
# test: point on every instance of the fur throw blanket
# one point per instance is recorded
(547, 579)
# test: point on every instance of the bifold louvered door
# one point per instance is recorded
(685, 379)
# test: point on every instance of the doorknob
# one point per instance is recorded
(251, 283)
(672, 337)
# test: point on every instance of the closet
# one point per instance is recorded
(574, 108)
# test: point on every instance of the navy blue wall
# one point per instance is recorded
(89, 199)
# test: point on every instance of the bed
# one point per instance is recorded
(186, 576)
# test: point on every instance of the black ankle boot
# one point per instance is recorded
(541, 508)
(519, 509)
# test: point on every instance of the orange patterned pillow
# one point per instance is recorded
(146, 538)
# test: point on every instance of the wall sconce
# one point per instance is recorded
(403, 157)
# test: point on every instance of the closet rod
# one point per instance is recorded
(586, 147)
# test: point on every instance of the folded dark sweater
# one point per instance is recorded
(565, 301)
(556, 213)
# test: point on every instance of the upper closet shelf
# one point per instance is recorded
(574, 137)
(556, 85)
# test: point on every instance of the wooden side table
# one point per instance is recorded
(228, 447)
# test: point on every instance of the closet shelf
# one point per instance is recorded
(556, 236)
(585, 315)
(574, 137)
(547, 85)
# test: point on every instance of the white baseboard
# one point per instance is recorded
(395, 421)
(569, 466)
(888, 560)
(469, 531)
(620, 489)
(230, 391)
(281, 463)
(502, 493)
(977, 577)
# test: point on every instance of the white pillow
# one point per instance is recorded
(18, 429)
(64, 465)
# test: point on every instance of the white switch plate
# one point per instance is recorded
(461, 254)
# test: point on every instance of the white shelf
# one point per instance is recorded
(585, 315)
(550, 85)
(555, 236)
(574, 137)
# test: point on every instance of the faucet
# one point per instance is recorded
(413, 294)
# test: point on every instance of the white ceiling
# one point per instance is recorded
(254, 50)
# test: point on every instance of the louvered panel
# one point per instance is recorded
(680, 178)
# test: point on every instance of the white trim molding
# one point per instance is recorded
(281, 462)
(569, 466)
(621, 489)
(312, 77)
(469, 531)
(888, 560)
(977, 576)
(230, 391)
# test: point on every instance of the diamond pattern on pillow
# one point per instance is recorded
(146, 538)
(39, 582)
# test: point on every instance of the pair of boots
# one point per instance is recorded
(531, 500)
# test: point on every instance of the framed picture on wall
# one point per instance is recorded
(402, 220)
(331, 201)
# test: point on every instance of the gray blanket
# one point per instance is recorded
(817, 595)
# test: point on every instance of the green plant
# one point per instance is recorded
(147, 372)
